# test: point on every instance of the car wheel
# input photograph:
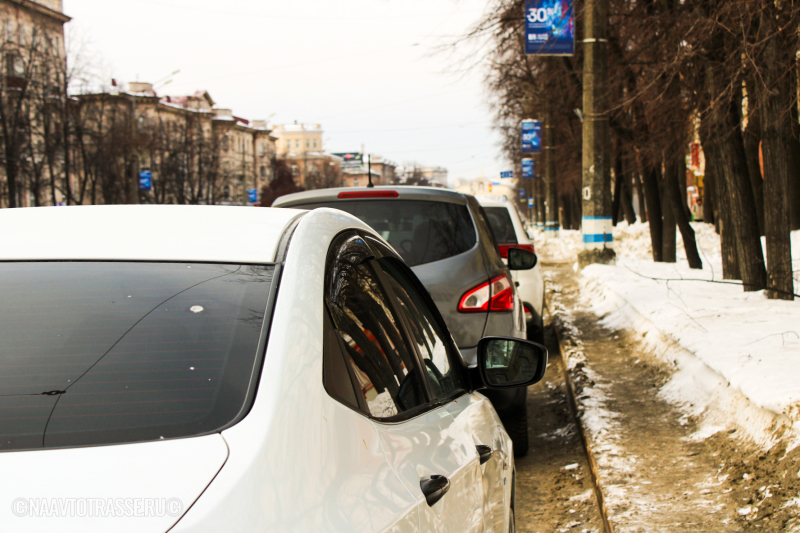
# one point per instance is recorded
(512, 523)
(536, 333)
(516, 424)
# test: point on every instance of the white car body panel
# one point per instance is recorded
(299, 461)
(333, 475)
(132, 476)
(531, 282)
(130, 232)
(427, 445)
(475, 418)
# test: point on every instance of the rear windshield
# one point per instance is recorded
(421, 231)
(103, 353)
(500, 221)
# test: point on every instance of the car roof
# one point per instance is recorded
(144, 233)
(406, 192)
(493, 201)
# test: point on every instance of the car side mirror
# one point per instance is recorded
(519, 259)
(506, 363)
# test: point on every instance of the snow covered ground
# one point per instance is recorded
(737, 354)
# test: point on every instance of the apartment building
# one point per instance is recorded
(190, 151)
(33, 67)
(302, 147)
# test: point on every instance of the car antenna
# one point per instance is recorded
(370, 185)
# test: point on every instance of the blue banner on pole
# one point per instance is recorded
(530, 202)
(145, 181)
(528, 170)
(507, 174)
(252, 195)
(549, 27)
(531, 137)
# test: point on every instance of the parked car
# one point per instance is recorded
(510, 233)
(201, 369)
(445, 237)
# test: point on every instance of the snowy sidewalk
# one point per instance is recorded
(737, 354)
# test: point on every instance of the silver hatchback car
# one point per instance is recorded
(445, 237)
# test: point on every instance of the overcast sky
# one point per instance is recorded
(366, 70)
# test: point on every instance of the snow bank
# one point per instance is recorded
(737, 354)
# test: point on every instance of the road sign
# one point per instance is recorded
(549, 27)
(522, 194)
(531, 137)
(252, 195)
(528, 172)
(530, 202)
(145, 181)
(507, 174)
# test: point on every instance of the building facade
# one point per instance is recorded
(136, 147)
(32, 96)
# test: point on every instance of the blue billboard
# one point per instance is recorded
(549, 27)
(506, 174)
(528, 171)
(252, 195)
(531, 137)
(145, 181)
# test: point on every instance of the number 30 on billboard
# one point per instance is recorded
(549, 27)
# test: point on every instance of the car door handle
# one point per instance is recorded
(434, 488)
(485, 452)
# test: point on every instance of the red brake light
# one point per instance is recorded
(368, 194)
(495, 295)
(503, 248)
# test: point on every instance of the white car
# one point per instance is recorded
(510, 233)
(233, 369)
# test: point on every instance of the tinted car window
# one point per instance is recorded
(421, 231)
(502, 226)
(384, 366)
(443, 377)
(101, 353)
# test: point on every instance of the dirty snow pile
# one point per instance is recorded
(737, 354)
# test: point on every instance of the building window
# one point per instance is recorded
(297, 144)
(263, 172)
(315, 143)
(308, 144)
(225, 143)
(355, 182)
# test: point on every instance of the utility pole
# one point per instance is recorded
(596, 223)
(551, 228)
(540, 200)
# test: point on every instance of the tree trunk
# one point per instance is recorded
(675, 170)
(729, 249)
(627, 200)
(637, 182)
(794, 183)
(752, 140)
(616, 203)
(743, 217)
(709, 186)
(668, 228)
(776, 133)
(653, 200)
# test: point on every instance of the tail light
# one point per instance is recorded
(368, 194)
(528, 315)
(495, 295)
(503, 248)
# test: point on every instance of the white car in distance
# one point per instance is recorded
(206, 369)
(510, 233)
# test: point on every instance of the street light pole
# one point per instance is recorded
(596, 223)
